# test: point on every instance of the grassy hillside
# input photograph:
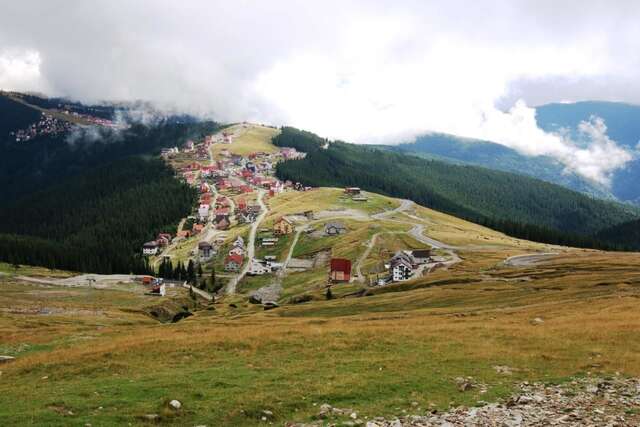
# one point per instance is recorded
(519, 205)
(95, 360)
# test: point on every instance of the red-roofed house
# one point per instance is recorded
(233, 262)
(340, 270)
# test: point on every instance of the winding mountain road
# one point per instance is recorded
(251, 245)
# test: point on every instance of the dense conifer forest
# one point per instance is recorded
(518, 205)
(86, 200)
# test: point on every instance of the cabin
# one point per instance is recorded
(340, 270)
(205, 251)
(233, 263)
(334, 228)
(422, 256)
(282, 227)
(150, 248)
(352, 191)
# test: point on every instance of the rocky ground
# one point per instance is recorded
(588, 401)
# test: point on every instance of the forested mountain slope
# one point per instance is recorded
(87, 198)
(625, 235)
(495, 156)
(521, 206)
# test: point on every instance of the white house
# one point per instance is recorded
(400, 270)
(203, 212)
(150, 248)
(257, 268)
(239, 242)
(236, 251)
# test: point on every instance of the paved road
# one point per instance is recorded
(528, 259)
(251, 245)
(404, 206)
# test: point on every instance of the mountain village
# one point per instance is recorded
(227, 229)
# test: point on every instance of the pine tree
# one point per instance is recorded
(191, 272)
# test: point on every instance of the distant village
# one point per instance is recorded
(46, 125)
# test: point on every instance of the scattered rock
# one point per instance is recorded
(151, 417)
(464, 384)
(581, 402)
(505, 370)
(536, 321)
(325, 410)
(268, 415)
(175, 405)
(270, 293)
(270, 305)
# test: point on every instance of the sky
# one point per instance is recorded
(361, 71)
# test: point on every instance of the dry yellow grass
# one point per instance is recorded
(375, 353)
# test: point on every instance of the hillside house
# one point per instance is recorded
(197, 228)
(422, 256)
(203, 212)
(189, 146)
(282, 227)
(163, 239)
(185, 234)
(205, 251)
(222, 202)
(239, 242)
(352, 191)
(258, 268)
(236, 250)
(400, 269)
(340, 270)
(233, 263)
(222, 222)
(254, 209)
(150, 248)
(334, 228)
(246, 218)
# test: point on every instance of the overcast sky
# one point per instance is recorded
(362, 71)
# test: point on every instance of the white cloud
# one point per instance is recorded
(363, 71)
(20, 70)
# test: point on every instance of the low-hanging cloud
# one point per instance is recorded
(358, 70)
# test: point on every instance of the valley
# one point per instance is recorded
(495, 311)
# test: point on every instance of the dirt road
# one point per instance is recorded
(529, 259)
